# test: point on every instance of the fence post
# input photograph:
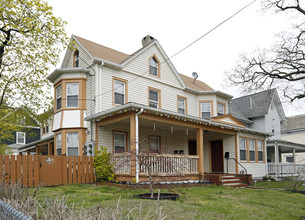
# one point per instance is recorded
(64, 169)
(36, 170)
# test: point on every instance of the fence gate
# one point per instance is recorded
(46, 170)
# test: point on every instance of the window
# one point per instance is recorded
(72, 143)
(289, 159)
(182, 105)
(58, 144)
(119, 142)
(260, 151)
(205, 109)
(58, 97)
(20, 138)
(154, 66)
(154, 144)
(119, 92)
(76, 59)
(220, 109)
(47, 129)
(243, 149)
(72, 94)
(252, 149)
(43, 130)
(154, 98)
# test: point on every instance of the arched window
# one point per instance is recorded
(154, 66)
(76, 59)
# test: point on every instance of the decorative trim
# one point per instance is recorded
(159, 66)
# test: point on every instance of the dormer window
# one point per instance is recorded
(154, 66)
(76, 59)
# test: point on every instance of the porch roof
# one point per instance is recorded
(131, 106)
(33, 144)
(286, 144)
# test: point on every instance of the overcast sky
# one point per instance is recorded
(121, 24)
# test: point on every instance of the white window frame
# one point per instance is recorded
(114, 91)
(24, 137)
(150, 144)
(242, 149)
(58, 97)
(154, 101)
(114, 141)
(252, 149)
(184, 106)
(260, 150)
(67, 143)
(218, 112)
(58, 143)
(151, 65)
(202, 108)
(76, 94)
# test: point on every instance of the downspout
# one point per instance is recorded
(137, 144)
(101, 89)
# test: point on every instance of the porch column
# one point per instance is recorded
(133, 140)
(293, 155)
(276, 158)
(49, 148)
(199, 141)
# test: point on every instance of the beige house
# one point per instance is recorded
(141, 109)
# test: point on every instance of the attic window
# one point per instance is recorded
(76, 59)
(154, 66)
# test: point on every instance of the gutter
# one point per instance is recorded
(209, 92)
(106, 62)
(137, 144)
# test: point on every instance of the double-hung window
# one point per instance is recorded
(206, 109)
(20, 137)
(154, 98)
(153, 66)
(154, 144)
(119, 92)
(58, 97)
(260, 151)
(72, 95)
(243, 149)
(220, 109)
(72, 143)
(58, 144)
(181, 105)
(252, 149)
(119, 142)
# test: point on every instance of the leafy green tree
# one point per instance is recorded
(283, 65)
(31, 39)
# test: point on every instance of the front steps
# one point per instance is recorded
(231, 180)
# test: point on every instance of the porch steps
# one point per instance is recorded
(232, 181)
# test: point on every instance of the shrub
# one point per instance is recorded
(268, 178)
(103, 166)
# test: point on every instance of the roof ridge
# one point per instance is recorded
(271, 90)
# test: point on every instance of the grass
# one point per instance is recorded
(200, 202)
(277, 185)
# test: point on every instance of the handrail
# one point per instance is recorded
(241, 166)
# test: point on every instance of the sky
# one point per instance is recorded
(121, 24)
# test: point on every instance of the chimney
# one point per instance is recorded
(146, 40)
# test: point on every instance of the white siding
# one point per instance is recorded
(273, 122)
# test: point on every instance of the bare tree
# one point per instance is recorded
(283, 65)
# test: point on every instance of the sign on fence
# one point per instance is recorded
(34, 170)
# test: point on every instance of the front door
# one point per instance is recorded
(217, 156)
(192, 148)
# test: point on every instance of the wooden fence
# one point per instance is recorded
(37, 170)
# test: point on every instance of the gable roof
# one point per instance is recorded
(235, 112)
(293, 123)
(197, 85)
(260, 103)
(102, 52)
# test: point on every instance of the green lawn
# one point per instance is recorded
(277, 185)
(200, 202)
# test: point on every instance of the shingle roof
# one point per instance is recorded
(293, 123)
(260, 103)
(237, 114)
(102, 52)
(198, 85)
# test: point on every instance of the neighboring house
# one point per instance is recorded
(293, 130)
(139, 103)
(265, 113)
(27, 131)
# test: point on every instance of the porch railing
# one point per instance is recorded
(168, 164)
(122, 162)
(285, 168)
(161, 164)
